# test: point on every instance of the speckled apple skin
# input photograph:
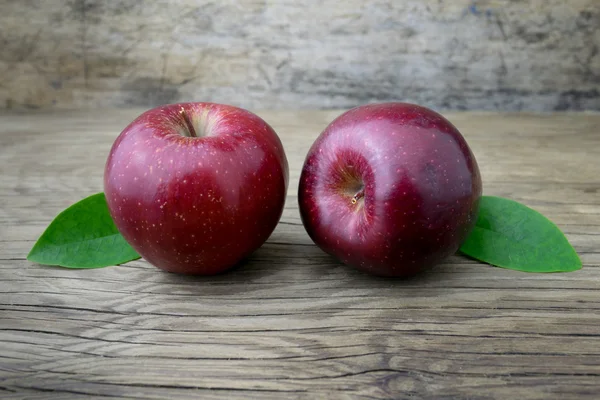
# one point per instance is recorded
(196, 205)
(421, 188)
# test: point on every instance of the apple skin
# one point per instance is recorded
(390, 189)
(196, 205)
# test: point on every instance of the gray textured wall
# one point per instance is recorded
(509, 55)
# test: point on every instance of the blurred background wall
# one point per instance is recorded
(538, 55)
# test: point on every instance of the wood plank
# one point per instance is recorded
(537, 55)
(291, 322)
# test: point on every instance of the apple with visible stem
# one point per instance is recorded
(196, 187)
(390, 189)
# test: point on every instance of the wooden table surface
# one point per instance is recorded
(292, 322)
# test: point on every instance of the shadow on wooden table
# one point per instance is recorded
(281, 268)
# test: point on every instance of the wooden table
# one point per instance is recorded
(292, 322)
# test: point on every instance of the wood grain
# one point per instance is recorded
(291, 322)
(537, 55)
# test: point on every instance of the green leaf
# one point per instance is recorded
(511, 235)
(83, 236)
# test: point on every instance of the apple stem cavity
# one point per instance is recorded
(188, 123)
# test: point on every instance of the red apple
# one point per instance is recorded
(196, 187)
(390, 189)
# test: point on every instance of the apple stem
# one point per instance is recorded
(358, 196)
(188, 123)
